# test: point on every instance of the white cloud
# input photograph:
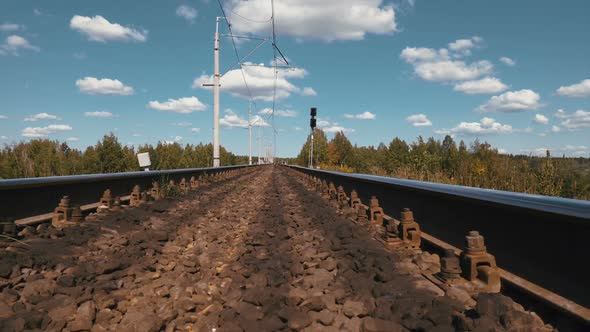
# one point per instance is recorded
(297, 128)
(512, 101)
(332, 128)
(555, 129)
(568, 150)
(184, 105)
(37, 12)
(2, 117)
(39, 132)
(447, 70)
(437, 65)
(13, 44)
(99, 29)
(463, 47)
(99, 114)
(72, 139)
(233, 120)
(308, 91)
(41, 116)
(103, 86)
(7, 26)
(362, 116)
(183, 124)
(578, 90)
(486, 126)
(574, 121)
(419, 120)
(187, 12)
(283, 113)
(195, 130)
(326, 20)
(261, 82)
(420, 54)
(508, 61)
(484, 85)
(540, 118)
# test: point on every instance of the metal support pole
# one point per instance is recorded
(259, 144)
(311, 151)
(249, 134)
(216, 162)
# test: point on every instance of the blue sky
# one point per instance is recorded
(513, 73)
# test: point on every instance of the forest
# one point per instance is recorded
(476, 165)
(42, 157)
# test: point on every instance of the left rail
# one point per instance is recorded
(23, 198)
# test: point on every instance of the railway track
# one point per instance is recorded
(248, 249)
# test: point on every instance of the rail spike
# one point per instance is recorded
(342, 198)
(409, 230)
(332, 193)
(375, 211)
(478, 264)
(135, 197)
(156, 192)
(106, 199)
(194, 183)
(62, 213)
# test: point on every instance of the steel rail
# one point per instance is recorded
(23, 198)
(541, 240)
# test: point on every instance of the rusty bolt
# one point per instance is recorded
(475, 243)
(407, 216)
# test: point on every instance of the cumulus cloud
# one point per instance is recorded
(40, 132)
(333, 127)
(7, 26)
(418, 54)
(2, 117)
(438, 65)
(452, 70)
(41, 116)
(578, 90)
(187, 12)
(283, 113)
(555, 129)
(486, 126)
(482, 86)
(195, 130)
(260, 81)
(568, 150)
(72, 139)
(419, 120)
(507, 61)
(361, 116)
(182, 105)
(183, 124)
(99, 114)
(14, 44)
(540, 118)
(512, 101)
(308, 91)
(103, 86)
(573, 121)
(233, 120)
(99, 29)
(464, 46)
(326, 20)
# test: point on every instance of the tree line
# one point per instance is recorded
(43, 157)
(446, 161)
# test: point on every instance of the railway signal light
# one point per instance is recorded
(312, 124)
